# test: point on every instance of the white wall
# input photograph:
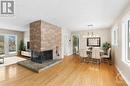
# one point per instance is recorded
(105, 35)
(117, 51)
(66, 43)
(9, 26)
(27, 35)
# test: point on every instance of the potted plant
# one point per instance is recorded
(106, 46)
(22, 46)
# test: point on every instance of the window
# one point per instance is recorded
(8, 44)
(126, 41)
(1, 44)
(12, 43)
(128, 47)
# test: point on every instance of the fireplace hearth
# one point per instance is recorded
(40, 57)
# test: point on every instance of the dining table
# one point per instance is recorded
(89, 53)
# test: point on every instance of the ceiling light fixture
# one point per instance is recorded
(90, 25)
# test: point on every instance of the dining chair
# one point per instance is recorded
(107, 58)
(83, 55)
(96, 56)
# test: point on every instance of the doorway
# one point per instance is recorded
(75, 43)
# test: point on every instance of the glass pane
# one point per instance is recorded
(129, 39)
(12, 43)
(1, 45)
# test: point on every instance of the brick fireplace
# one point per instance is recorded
(45, 41)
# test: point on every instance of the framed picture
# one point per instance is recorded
(94, 41)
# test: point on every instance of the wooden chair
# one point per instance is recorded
(107, 58)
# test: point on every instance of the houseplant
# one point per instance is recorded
(106, 46)
(22, 46)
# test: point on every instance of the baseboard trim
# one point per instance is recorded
(68, 55)
(123, 76)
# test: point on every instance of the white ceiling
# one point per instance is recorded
(71, 14)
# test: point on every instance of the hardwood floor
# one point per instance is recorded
(70, 72)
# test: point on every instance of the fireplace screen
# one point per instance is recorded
(42, 56)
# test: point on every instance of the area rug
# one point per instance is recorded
(11, 60)
(37, 67)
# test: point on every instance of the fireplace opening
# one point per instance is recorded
(40, 57)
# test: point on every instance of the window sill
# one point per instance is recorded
(13, 52)
(127, 63)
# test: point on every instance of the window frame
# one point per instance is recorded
(15, 43)
(4, 44)
(6, 40)
(125, 42)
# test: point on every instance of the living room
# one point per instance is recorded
(65, 43)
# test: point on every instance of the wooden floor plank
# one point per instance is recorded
(70, 72)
